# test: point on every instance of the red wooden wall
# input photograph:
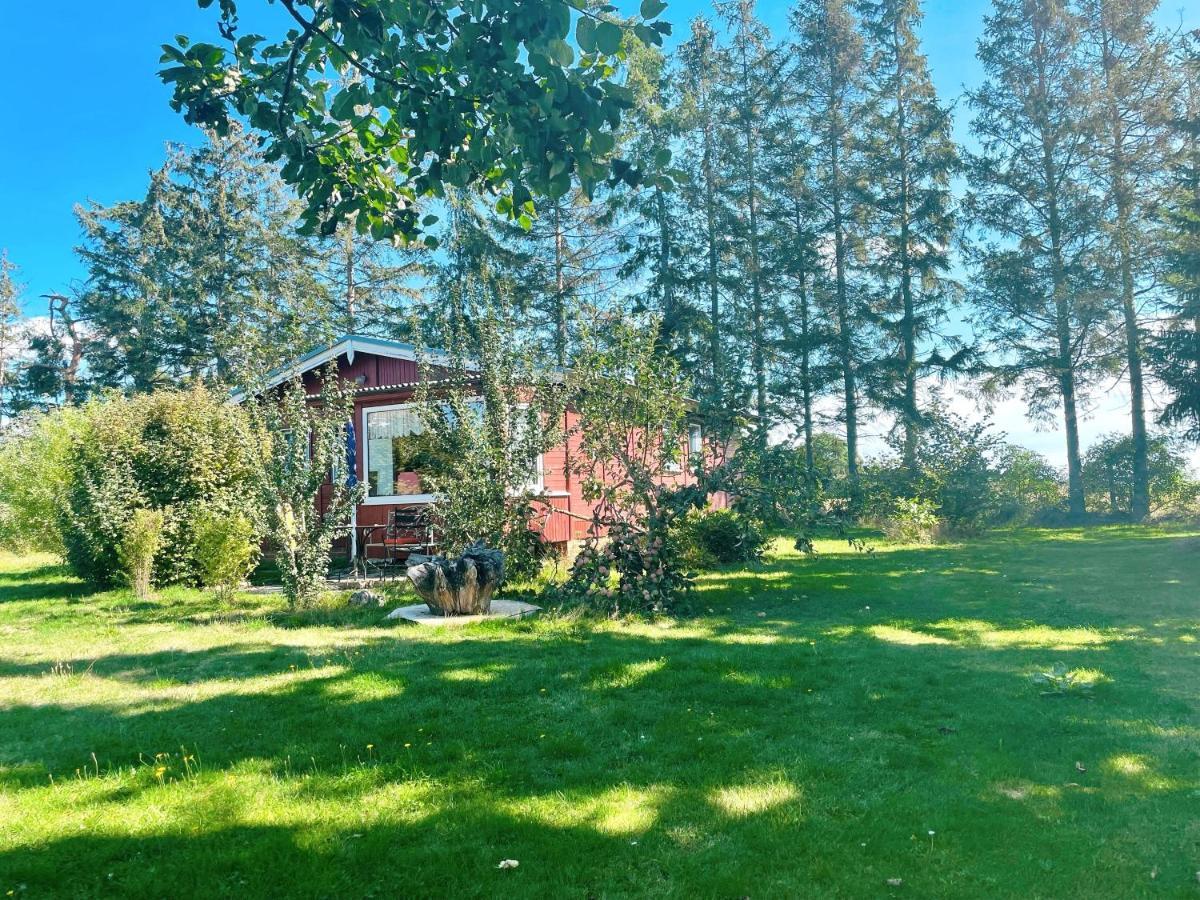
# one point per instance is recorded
(562, 515)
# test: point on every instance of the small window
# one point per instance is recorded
(671, 452)
(695, 440)
(537, 476)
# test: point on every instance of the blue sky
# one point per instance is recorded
(86, 118)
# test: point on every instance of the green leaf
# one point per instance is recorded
(561, 52)
(608, 38)
(585, 34)
(652, 9)
(602, 143)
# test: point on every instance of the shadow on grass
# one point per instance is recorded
(523, 746)
(48, 582)
(757, 744)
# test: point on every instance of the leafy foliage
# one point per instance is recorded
(1025, 484)
(139, 545)
(707, 538)
(34, 480)
(375, 106)
(630, 463)
(304, 440)
(912, 520)
(773, 484)
(488, 417)
(184, 453)
(965, 474)
(1108, 475)
(226, 550)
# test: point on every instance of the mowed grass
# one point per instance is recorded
(822, 727)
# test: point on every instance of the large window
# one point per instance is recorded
(394, 459)
(391, 455)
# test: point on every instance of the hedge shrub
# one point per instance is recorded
(707, 538)
(189, 454)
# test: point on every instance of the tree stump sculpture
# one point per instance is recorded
(458, 587)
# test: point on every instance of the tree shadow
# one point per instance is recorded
(48, 582)
(759, 750)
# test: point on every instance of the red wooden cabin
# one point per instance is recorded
(387, 375)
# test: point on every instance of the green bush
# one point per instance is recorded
(226, 550)
(139, 545)
(775, 485)
(1108, 476)
(707, 538)
(186, 453)
(913, 520)
(33, 480)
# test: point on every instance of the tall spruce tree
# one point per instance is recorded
(700, 70)
(749, 91)
(1129, 63)
(910, 156)
(1176, 350)
(1034, 263)
(801, 335)
(204, 278)
(372, 284)
(573, 246)
(483, 255)
(828, 73)
(653, 238)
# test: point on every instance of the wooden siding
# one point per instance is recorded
(561, 515)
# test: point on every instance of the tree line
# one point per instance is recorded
(802, 230)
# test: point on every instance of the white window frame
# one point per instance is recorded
(400, 499)
(365, 441)
(671, 466)
(540, 463)
(698, 431)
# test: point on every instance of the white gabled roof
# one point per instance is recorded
(347, 346)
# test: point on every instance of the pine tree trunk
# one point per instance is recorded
(670, 314)
(560, 301)
(845, 342)
(348, 249)
(1062, 308)
(757, 354)
(714, 296)
(1119, 184)
(908, 328)
(806, 381)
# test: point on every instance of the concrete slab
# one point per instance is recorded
(419, 613)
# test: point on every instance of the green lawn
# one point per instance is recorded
(822, 726)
